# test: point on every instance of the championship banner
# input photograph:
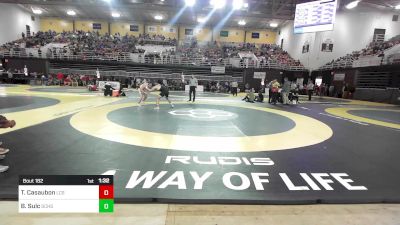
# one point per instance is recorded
(114, 84)
(339, 77)
(327, 46)
(218, 69)
(259, 75)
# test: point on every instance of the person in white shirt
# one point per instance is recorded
(192, 88)
(234, 89)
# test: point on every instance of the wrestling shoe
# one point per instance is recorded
(3, 168)
(3, 151)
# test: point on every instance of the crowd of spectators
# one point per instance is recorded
(265, 53)
(81, 41)
(373, 49)
(377, 48)
(84, 44)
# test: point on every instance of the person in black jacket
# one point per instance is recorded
(108, 89)
(260, 97)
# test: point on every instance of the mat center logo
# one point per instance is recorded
(203, 114)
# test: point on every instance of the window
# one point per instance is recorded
(96, 26)
(188, 31)
(28, 31)
(224, 33)
(134, 28)
(169, 29)
(152, 29)
(255, 35)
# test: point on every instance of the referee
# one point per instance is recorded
(192, 85)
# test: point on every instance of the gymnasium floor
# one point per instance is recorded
(323, 151)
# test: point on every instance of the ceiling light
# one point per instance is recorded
(37, 11)
(246, 5)
(115, 15)
(108, 1)
(273, 25)
(397, 6)
(71, 12)
(352, 4)
(201, 20)
(218, 4)
(237, 4)
(158, 17)
(190, 3)
(242, 22)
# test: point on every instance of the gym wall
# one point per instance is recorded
(353, 31)
(14, 21)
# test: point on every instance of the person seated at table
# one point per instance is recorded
(67, 81)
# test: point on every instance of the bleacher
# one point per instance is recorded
(115, 70)
(140, 51)
(375, 54)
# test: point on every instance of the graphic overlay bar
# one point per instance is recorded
(66, 194)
